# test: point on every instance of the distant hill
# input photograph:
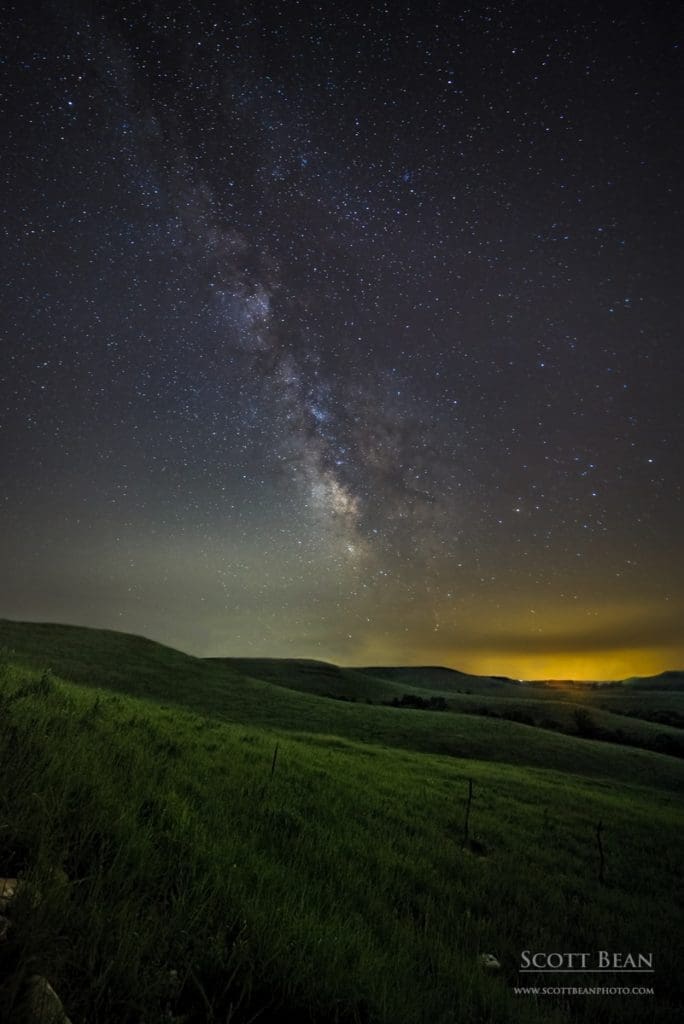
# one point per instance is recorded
(428, 709)
(319, 677)
(673, 680)
(375, 683)
(435, 677)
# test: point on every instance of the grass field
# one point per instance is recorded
(214, 840)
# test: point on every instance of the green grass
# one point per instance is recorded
(220, 688)
(335, 888)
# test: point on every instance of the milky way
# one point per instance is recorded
(347, 333)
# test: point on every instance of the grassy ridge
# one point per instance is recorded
(139, 667)
(334, 888)
(641, 721)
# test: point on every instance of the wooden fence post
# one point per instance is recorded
(467, 814)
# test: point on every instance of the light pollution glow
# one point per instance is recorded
(248, 601)
(579, 666)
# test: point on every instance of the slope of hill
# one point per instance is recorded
(138, 667)
(209, 846)
(673, 680)
(448, 680)
(587, 712)
(317, 677)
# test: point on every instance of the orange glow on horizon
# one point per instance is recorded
(580, 666)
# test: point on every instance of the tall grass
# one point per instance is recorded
(168, 876)
(135, 666)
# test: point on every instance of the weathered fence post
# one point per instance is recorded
(467, 814)
(602, 862)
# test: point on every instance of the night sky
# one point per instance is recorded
(347, 331)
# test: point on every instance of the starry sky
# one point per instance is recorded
(347, 331)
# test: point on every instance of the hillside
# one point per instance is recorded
(665, 681)
(288, 855)
(221, 688)
(448, 680)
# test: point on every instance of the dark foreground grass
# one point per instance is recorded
(332, 886)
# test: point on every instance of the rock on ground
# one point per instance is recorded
(43, 1005)
(8, 892)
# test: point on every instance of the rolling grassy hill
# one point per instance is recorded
(295, 856)
(447, 680)
(664, 681)
(220, 687)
